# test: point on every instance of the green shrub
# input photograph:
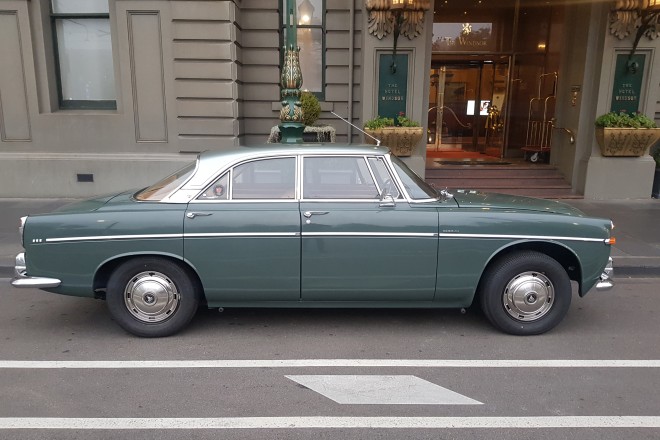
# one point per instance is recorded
(310, 107)
(625, 120)
(379, 122)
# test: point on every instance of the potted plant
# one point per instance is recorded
(311, 109)
(401, 135)
(625, 134)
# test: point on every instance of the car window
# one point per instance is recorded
(383, 177)
(414, 185)
(264, 179)
(219, 190)
(163, 188)
(338, 178)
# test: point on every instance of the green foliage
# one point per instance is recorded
(380, 121)
(404, 121)
(625, 120)
(310, 107)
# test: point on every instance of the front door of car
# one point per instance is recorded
(358, 244)
(242, 234)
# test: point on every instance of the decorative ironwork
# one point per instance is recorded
(635, 17)
(382, 20)
(291, 115)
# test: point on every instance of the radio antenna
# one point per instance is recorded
(358, 128)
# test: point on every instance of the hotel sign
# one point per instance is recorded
(392, 86)
(627, 87)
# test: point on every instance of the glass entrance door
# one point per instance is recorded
(466, 108)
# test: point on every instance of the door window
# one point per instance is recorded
(383, 177)
(258, 179)
(338, 178)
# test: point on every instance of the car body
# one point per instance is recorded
(314, 226)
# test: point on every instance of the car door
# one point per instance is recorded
(242, 234)
(357, 247)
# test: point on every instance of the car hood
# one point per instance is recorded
(476, 199)
(93, 204)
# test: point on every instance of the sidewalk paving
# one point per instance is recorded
(637, 252)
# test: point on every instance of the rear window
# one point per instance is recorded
(162, 189)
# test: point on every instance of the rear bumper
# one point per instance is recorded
(605, 282)
(21, 280)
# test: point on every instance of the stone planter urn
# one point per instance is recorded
(621, 142)
(401, 140)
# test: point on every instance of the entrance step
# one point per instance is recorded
(535, 180)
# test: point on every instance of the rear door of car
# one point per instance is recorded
(242, 234)
(357, 247)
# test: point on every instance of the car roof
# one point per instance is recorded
(213, 160)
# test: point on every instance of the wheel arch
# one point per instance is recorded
(105, 270)
(557, 251)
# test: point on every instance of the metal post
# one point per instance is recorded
(291, 115)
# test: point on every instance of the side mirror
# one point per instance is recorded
(387, 201)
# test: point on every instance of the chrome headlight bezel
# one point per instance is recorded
(21, 228)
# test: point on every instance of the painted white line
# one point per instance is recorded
(331, 422)
(381, 390)
(303, 363)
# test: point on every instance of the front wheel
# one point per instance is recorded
(525, 293)
(152, 297)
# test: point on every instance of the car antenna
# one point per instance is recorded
(355, 126)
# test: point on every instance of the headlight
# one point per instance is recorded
(21, 227)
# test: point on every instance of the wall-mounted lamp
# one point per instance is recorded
(641, 17)
(401, 17)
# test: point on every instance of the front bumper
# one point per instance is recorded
(605, 282)
(22, 280)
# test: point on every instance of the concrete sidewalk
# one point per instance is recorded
(637, 252)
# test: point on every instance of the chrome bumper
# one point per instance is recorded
(605, 281)
(22, 280)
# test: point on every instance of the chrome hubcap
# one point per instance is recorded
(528, 296)
(151, 296)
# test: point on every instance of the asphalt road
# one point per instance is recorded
(84, 374)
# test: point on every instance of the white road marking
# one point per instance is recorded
(381, 390)
(331, 422)
(303, 363)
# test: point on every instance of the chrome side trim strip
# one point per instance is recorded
(522, 237)
(370, 234)
(113, 237)
(242, 234)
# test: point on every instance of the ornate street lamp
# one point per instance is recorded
(291, 115)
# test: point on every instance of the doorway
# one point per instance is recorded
(467, 105)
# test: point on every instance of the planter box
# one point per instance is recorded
(626, 141)
(401, 140)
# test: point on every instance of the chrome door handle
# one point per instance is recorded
(308, 214)
(198, 214)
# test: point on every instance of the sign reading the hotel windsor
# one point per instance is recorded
(627, 86)
(392, 87)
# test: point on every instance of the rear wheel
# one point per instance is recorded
(152, 297)
(525, 293)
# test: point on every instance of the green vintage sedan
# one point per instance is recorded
(314, 226)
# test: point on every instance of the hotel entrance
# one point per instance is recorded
(466, 107)
(492, 63)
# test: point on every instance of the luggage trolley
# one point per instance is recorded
(539, 122)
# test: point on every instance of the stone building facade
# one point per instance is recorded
(104, 95)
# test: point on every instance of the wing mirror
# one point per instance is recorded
(387, 201)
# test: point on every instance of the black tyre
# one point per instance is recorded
(152, 297)
(525, 293)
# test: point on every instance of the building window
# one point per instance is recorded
(311, 40)
(83, 54)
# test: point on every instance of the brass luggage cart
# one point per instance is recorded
(539, 122)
